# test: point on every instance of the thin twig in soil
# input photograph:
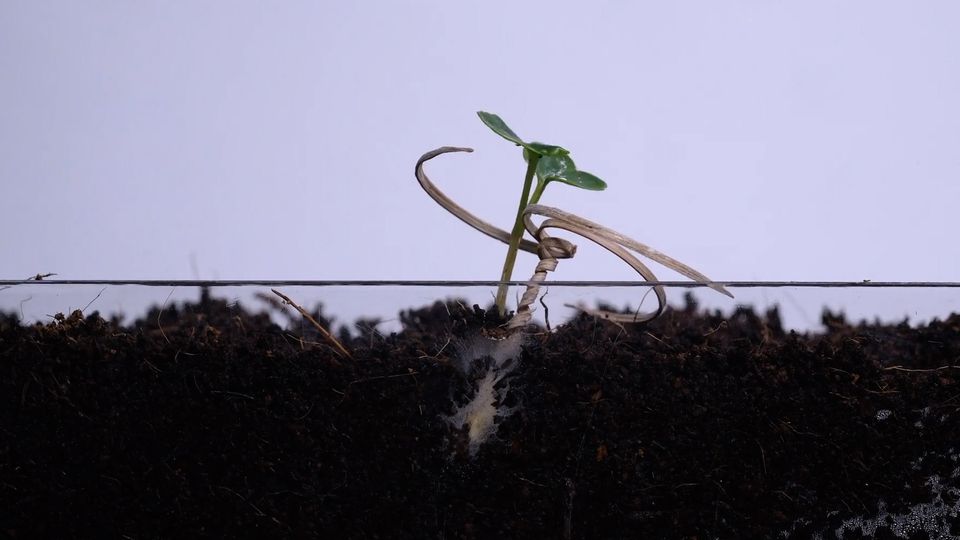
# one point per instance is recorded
(909, 370)
(306, 414)
(662, 342)
(231, 393)
(531, 482)
(338, 347)
(259, 512)
(881, 392)
(160, 314)
(719, 326)
(276, 305)
(94, 300)
(435, 356)
(240, 324)
(377, 378)
(763, 457)
(152, 366)
(22, 302)
(546, 310)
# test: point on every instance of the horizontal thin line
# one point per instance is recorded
(468, 283)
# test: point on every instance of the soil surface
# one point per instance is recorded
(206, 420)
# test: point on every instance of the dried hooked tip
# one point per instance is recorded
(461, 213)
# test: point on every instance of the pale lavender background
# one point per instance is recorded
(753, 140)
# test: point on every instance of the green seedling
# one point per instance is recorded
(548, 163)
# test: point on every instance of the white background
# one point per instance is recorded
(230, 140)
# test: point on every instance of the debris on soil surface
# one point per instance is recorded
(205, 420)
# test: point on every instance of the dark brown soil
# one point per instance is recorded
(205, 420)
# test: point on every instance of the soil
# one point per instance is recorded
(206, 420)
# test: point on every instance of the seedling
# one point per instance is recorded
(478, 417)
(548, 163)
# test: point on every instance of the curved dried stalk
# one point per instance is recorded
(337, 346)
(463, 214)
(550, 249)
(612, 241)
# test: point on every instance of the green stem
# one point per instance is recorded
(515, 235)
(537, 192)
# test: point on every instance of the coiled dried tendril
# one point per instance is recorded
(551, 249)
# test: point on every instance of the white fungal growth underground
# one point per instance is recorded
(478, 417)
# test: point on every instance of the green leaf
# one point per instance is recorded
(546, 149)
(555, 162)
(586, 180)
(499, 127)
(562, 169)
(559, 168)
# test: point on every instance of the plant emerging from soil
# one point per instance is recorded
(489, 368)
(550, 163)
